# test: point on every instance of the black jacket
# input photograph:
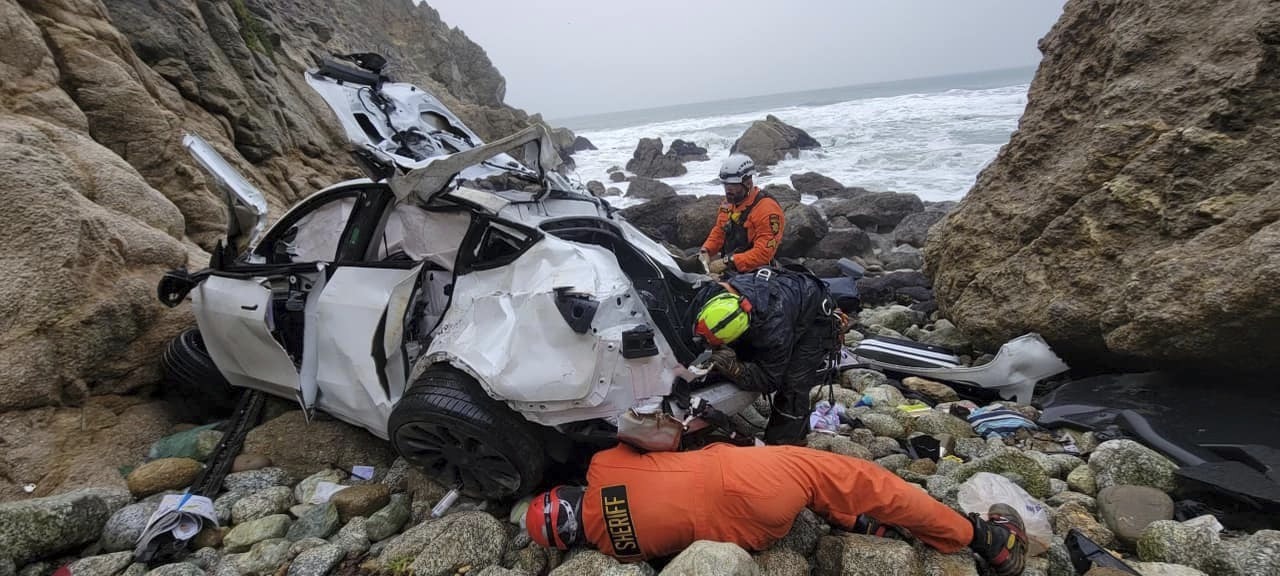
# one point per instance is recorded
(782, 310)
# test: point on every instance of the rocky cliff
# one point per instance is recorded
(1134, 217)
(98, 196)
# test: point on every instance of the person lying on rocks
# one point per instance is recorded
(639, 506)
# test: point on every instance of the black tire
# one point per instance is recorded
(194, 383)
(446, 425)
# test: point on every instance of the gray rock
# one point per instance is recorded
(1259, 553)
(1010, 461)
(1057, 486)
(804, 228)
(893, 462)
(770, 140)
(319, 522)
(124, 527)
(1128, 510)
(1059, 558)
(244, 536)
(104, 565)
(936, 563)
(7, 568)
(500, 571)
(882, 447)
(471, 538)
(1082, 480)
(353, 538)
(937, 423)
(782, 562)
(1162, 569)
(224, 504)
(945, 334)
(390, 519)
(317, 561)
(306, 489)
(815, 184)
(876, 211)
(1118, 462)
(177, 569)
(859, 555)
(894, 317)
(587, 562)
(265, 558)
(1074, 515)
(649, 161)
(256, 480)
(617, 177)
(649, 189)
(883, 425)
(42, 527)
(204, 558)
(706, 558)
(804, 533)
(1176, 543)
(902, 258)
(306, 544)
(859, 379)
(1063, 497)
(596, 188)
(971, 448)
(914, 228)
(263, 503)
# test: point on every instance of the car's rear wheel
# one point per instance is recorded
(195, 385)
(446, 425)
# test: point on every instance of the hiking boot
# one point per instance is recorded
(872, 527)
(1001, 540)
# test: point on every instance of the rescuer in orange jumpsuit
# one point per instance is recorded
(750, 223)
(639, 506)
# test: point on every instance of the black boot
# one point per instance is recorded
(872, 527)
(1001, 540)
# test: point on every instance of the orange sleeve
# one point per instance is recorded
(764, 229)
(715, 239)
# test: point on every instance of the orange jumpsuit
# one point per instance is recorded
(765, 223)
(640, 506)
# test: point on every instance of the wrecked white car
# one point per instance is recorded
(534, 314)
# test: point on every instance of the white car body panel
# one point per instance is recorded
(503, 327)
(233, 315)
(353, 304)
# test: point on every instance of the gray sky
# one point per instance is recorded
(574, 57)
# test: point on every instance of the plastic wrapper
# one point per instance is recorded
(985, 489)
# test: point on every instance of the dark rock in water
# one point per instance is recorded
(782, 193)
(688, 151)
(816, 184)
(804, 227)
(613, 169)
(42, 527)
(1128, 510)
(770, 140)
(1127, 227)
(649, 161)
(893, 288)
(612, 191)
(648, 189)
(695, 220)
(617, 177)
(876, 211)
(596, 188)
(654, 217)
(840, 243)
(581, 143)
(914, 228)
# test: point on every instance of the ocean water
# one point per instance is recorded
(929, 137)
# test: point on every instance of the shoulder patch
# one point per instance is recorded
(775, 223)
(616, 508)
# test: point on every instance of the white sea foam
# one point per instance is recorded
(932, 145)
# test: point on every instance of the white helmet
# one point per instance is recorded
(735, 168)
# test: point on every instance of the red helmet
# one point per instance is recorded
(553, 517)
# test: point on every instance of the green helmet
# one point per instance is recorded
(723, 319)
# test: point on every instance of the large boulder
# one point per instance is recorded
(1134, 217)
(875, 211)
(41, 527)
(842, 243)
(649, 161)
(782, 193)
(302, 449)
(695, 220)
(770, 140)
(707, 558)
(803, 227)
(581, 143)
(1121, 462)
(688, 151)
(649, 189)
(816, 184)
(654, 217)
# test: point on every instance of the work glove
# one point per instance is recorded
(718, 266)
(726, 362)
